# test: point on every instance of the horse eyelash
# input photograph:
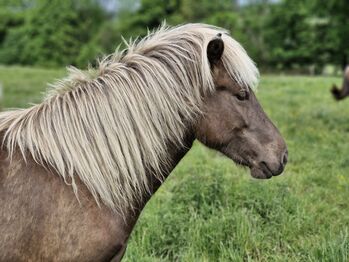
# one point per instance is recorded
(246, 96)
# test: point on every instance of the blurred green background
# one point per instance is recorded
(209, 209)
(292, 35)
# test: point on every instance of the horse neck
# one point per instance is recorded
(175, 154)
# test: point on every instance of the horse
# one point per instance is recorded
(342, 93)
(78, 168)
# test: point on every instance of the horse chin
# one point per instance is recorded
(260, 174)
(256, 172)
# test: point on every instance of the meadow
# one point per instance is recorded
(211, 210)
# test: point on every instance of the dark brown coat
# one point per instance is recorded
(342, 93)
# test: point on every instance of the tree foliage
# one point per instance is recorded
(284, 34)
(53, 32)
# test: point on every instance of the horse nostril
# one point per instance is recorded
(264, 164)
(284, 158)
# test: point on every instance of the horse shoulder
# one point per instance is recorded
(41, 218)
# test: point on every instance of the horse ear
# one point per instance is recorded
(215, 49)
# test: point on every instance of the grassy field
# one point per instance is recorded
(211, 210)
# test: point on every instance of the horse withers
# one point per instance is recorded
(77, 169)
(342, 93)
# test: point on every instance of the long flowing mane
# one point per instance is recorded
(107, 126)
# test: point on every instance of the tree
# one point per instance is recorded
(337, 13)
(11, 16)
(299, 33)
(53, 33)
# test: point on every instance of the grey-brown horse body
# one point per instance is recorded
(42, 220)
(342, 93)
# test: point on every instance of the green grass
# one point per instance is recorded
(211, 210)
(24, 86)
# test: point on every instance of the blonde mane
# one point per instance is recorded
(108, 126)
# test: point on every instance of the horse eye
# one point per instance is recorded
(221, 88)
(242, 95)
